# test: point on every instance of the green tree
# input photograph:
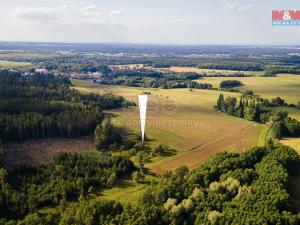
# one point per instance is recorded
(277, 130)
(231, 105)
(250, 113)
(112, 179)
(138, 177)
(141, 162)
(1, 154)
(99, 137)
(104, 135)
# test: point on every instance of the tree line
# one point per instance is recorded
(157, 80)
(260, 110)
(274, 70)
(233, 65)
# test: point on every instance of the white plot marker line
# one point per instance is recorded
(143, 111)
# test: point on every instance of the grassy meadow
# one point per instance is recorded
(179, 69)
(25, 55)
(13, 65)
(293, 112)
(286, 86)
(186, 121)
(292, 142)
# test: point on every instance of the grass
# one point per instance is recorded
(286, 86)
(179, 69)
(184, 120)
(13, 65)
(26, 55)
(125, 190)
(293, 112)
(292, 142)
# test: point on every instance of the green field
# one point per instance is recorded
(126, 190)
(285, 86)
(184, 120)
(179, 69)
(26, 55)
(293, 112)
(13, 65)
(292, 142)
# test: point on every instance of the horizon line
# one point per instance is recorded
(152, 44)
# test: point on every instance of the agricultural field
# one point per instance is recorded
(179, 69)
(13, 65)
(35, 152)
(292, 142)
(286, 86)
(26, 55)
(293, 112)
(186, 121)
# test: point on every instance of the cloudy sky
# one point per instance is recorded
(146, 21)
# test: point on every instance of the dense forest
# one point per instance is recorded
(263, 111)
(92, 63)
(230, 188)
(67, 177)
(42, 106)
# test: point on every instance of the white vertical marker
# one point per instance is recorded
(143, 111)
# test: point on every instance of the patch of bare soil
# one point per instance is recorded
(35, 152)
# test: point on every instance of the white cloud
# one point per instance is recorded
(116, 12)
(64, 15)
(89, 8)
(245, 7)
(36, 15)
(229, 5)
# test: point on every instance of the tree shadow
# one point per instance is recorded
(169, 153)
(126, 133)
(111, 115)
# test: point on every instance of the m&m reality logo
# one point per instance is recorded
(286, 17)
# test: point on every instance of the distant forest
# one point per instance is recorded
(150, 79)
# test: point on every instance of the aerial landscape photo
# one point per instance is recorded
(134, 112)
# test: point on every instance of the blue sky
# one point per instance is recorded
(146, 21)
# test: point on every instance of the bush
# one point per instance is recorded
(161, 149)
(230, 84)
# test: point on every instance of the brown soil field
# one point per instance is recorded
(35, 152)
(198, 155)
